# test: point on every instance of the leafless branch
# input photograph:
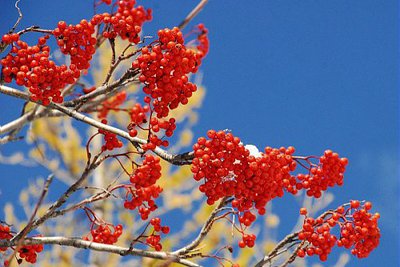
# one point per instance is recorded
(204, 230)
(287, 240)
(28, 227)
(193, 14)
(79, 243)
(179, 159)
(19, 16)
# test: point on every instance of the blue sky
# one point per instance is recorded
(312, 74)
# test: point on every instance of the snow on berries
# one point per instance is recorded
(227, 168)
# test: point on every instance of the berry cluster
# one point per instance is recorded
(127, 21)
(29, 253)
(142, 198)
(220, 161)
(148, 173)
(139, 117)
(358, 230)
(318, 235)
(154, 239)
(328, 173)
(361, 233)
(76, 41)
(30, 66)
(164, 70)
(228, 169)
(111, 139)
(247, 240)
(111, 104)
(104, 233)
(5, 234)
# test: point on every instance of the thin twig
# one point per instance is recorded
(28, 227)
(192, 14)
(204, 230)
(19, 16)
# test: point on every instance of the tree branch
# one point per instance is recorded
(192, 14)
(179, 159)
(204, 230)
(79, 243)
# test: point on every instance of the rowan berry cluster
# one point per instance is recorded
(29, 253)
(104, 233)
(228, 169)
(361, 233)
(139, 117)
(127, 21)
(328, 173)
(142, 198)
(77, 41)
(111, 103)
(148, 173)
(165, 67)
(30, 66)
(247, 240)
(154, 239)
(5, 234)
(358, 231)
(111, 139)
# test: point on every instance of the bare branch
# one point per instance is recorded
(180, 159)
(204, 230)
(287, 240)
(79, 243)
(28, 227)
(192, 14)
(19, 16)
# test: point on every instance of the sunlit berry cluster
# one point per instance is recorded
(104, 233)
(156, 127)
(77, 41)
(143, 199)
(143, 189)
(361, 233)
(127, 21)
(5, 234)
(358, 231)
(26, 252)
(148, 173)
(31, 66)
(220, 162)
(165, 67)
(328, 173)
(110, 104)
(111, 140)
(228, 169)
(154, 239)
(248, 240)
(29, 253)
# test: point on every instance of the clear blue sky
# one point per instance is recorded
(312, 74)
